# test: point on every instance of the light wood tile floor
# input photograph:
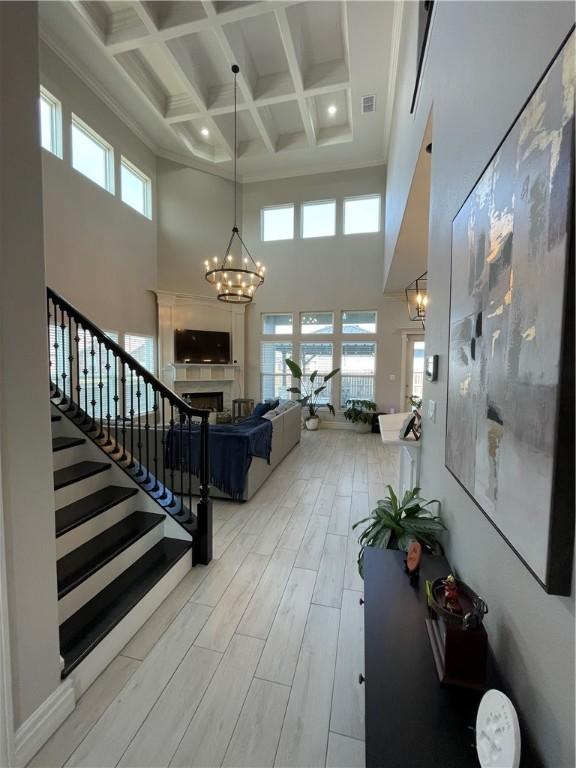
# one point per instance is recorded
(253, 660)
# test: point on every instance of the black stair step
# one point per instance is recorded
(82, 632)
(79, 512)
(61, 443)
(77, 472)
(55, 417)
(78, 565)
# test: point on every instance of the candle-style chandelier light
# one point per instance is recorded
(236, 278)
(417, 298)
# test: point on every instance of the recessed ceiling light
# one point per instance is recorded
(205, 132)
(332, 109)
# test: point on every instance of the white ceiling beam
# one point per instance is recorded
(241, 57)
(294, 67)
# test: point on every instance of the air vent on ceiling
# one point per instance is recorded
(368, 104)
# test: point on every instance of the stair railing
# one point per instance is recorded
(132, 416)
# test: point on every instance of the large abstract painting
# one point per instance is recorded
(509, 359)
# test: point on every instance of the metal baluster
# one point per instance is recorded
(108, 409)
(190, 467)
(116, 399)
(78, 385)
(131, 462)
(93, 401)
(139, 384)
(70, 366)
(163, 442)
(49, 350)
(146, 432)
(64, 400)
(155, 408)
(55, 346)
(181, 418)
(123, 457)
(100, 391)
(173, 500)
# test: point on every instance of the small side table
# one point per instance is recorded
(241, 408)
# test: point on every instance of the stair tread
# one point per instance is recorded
(82, 632)
(61, 443)
(78, 512)
(85, 560)
(77, 472)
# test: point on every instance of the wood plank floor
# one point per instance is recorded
(253, 660)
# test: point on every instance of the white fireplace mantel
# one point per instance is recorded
(180, 310)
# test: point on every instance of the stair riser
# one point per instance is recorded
(89, 588)
(69, 456)
(97, 661)
(96, 525)
(82, 488)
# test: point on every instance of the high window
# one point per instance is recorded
(136, 188)
(50, 123)
(277, 222)
(358, 322)
(361, 214)
(319, 219)
(317, 356)
(142, 350)
(277, 325)
(316, 323)
(275, 377)
(92, 155)
(358, 364)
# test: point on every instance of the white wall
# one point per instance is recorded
(101, 254)
(485, 59)
(25, 434)
(195, 211)
(334, 273)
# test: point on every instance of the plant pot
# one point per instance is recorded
(312, 423)
(362, 427)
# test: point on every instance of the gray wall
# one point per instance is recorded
(100, 254)
(25, 447)
(485, 59)
(334, 273)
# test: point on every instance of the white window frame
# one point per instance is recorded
(105, 145)
(56, 120)
(312, 203)
(266, 374)
(355, 198)
(307, 336)
(146, 180)
(275, 208)
(363, 333)
(276, 314)
(353, 339)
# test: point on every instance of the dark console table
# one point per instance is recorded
(411, 720)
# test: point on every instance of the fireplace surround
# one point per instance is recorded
(212, 401)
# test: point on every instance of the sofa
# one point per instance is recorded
(286, 421)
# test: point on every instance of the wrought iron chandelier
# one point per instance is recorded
(236, 279)
(417, 298)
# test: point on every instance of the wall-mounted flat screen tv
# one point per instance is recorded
(201, 346)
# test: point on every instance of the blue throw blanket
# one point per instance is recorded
(232, 447)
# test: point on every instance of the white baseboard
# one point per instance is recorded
(37, 729)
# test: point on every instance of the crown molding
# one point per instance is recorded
(313, 170)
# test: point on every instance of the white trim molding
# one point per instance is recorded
(37, 729)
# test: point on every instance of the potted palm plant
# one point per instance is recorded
(394, 524)
(309, 390)
(360, 413)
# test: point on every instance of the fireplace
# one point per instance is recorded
(212, 401)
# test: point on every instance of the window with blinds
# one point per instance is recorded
(318, 357)
(275, 377)
(358, 371)
(139, 398)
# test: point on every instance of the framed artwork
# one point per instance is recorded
(510, 410)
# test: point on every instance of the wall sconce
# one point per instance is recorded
(417, 298)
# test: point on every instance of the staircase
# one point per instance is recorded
(124, 537)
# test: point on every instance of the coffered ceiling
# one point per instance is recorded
(164, 67)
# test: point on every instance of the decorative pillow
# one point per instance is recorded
(262, 408)
(407, 425)
(272, 403)
(270, 415)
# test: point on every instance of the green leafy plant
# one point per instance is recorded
(359, 411)
(394, 524)
(309, 390)
(415, 401)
